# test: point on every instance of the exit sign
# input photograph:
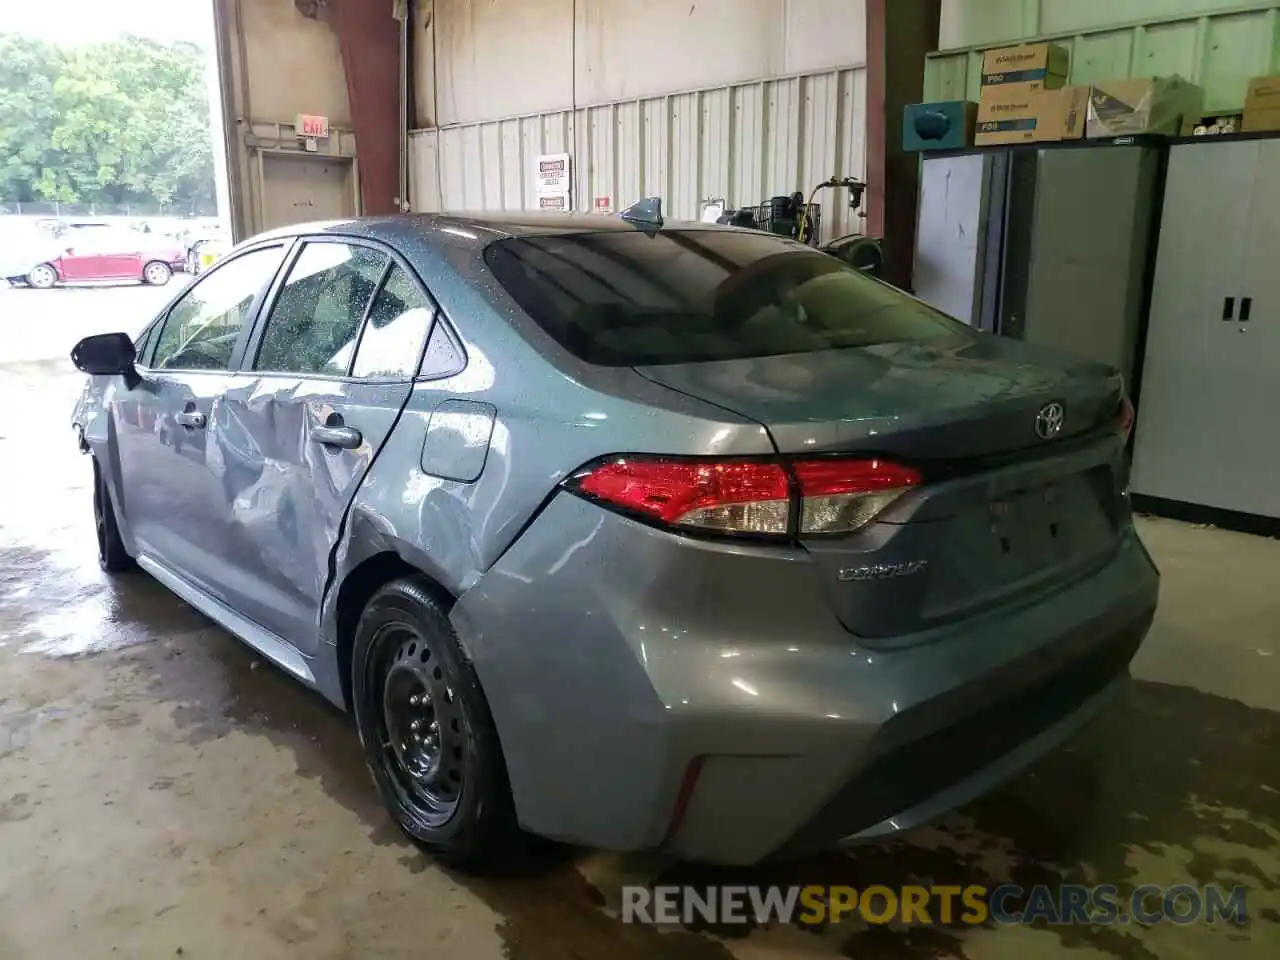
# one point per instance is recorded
(309, 126)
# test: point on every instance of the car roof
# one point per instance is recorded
(476, 229)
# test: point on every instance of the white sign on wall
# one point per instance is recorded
(552, 181)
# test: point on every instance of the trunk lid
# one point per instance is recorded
(941, 399)
(1003, 511)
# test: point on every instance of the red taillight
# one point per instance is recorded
(1124, 417)
(745, 497)
(732, 497)
(840, 496)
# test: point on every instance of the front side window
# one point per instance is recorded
(142, 343)
(201, 329)
(315, 320)
(392, 339)
(629, 298)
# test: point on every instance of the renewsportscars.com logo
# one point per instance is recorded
(947, 905)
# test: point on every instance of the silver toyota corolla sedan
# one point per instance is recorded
(630, 534)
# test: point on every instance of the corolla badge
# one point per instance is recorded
(1049, 420)
(883, 571)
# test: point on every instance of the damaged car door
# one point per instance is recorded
(324, 379)
(165, 427)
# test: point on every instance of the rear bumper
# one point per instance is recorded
(914, 782)
(613, 655)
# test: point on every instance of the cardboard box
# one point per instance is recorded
(1261, 121)
(1040, 66)
(1141, 105)
(945, 125)
(1018, 116)
(1263, 94)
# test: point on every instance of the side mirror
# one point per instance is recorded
(107, 354)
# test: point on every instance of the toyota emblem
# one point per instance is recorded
(1049, 420)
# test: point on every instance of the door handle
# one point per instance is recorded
(189, 418)
(337, 435)
(1246, 308)
(1228, 308)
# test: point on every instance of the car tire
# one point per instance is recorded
(42, 277)
(429, 739)
(113, 557)
(156, 274)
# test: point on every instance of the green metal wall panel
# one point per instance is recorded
(1102, 56)
(1165, 48)
(1214, 44)
(967, 23)
(1077, 15)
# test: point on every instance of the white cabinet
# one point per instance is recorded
(1208, 430)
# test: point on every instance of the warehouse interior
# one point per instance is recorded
(1100, 177)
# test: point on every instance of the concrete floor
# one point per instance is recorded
(164, 793)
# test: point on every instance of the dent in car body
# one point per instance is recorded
(285, 495)
(568, 611)
(453, 530)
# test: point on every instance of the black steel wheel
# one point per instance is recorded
(423, 727)
(112, 555)
(428, 737)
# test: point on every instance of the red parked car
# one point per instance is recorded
(88, 252)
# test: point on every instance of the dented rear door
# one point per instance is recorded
(326, 377)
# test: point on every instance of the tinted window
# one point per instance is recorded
(201, 329)
(316, 317)
(398, 321)
(442, 358)
(678, 296)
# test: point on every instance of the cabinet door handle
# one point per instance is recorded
(1228, 308)
(1246, 308)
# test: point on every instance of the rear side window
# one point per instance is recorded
(315, 320)
(628, 298)
(398, 321)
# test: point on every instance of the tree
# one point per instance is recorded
(111, 123)
(28, 70)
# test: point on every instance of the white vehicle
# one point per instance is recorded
(22, 248)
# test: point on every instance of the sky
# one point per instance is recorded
(86, 21)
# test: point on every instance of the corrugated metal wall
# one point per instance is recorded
(744, 143)
(1214, 44)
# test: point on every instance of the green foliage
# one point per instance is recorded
(125, 121)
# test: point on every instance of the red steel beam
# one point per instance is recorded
(369, 40)
(899, 34)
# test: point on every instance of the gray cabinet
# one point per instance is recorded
(1089, 251)
(1208, 430)
(961, 199)
(1047, 244)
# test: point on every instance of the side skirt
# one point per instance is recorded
(278, 651)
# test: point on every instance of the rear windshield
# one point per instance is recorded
(628, 298)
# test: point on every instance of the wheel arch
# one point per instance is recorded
(95, 430)
(353, 594)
